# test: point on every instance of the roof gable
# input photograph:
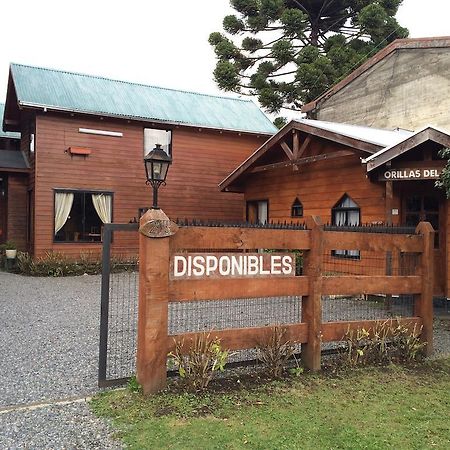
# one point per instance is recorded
(67, 91)
(416, 43)
(387, 154)
(363, 140)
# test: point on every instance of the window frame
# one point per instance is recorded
(336, 209)
(167, 130)
(81, 191)
(295, 204)
(249, 202)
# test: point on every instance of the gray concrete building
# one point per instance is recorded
(406, 85)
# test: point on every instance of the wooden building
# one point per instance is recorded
(83, 140)
(404, 85)
(349, 175)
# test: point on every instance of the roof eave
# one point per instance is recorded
(134, 118)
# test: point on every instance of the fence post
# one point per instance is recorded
(312, 304)
(151, 365)
(424, 304)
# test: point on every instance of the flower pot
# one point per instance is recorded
(11, 254)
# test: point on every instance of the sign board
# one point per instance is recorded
(231, 265)
(407, 174)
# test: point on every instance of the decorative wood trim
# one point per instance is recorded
(302, 161)
(286, 149)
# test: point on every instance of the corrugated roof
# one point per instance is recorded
(68, 91)
(6, 134)
(377, 136)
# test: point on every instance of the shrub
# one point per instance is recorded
(197, 363)
(57, 265)
(275, 350)
(385, 343)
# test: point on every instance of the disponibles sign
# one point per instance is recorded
(410, 174)
(213, 265)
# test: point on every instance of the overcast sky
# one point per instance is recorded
(154, 42)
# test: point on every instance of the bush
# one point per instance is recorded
(58, 265)
(198, 363)
(275, 350)
(385, 343)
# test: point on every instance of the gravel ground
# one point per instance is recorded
(48, 352)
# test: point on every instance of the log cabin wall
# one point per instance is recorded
(201, 159)
(320, 185)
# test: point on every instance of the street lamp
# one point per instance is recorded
(157, 164)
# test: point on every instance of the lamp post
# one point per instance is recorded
(157, 164)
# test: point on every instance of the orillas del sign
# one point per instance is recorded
(214, 265)
(410, 174)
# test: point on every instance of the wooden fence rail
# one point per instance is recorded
(157, 289)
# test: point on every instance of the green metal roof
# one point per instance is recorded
(6, 134)
(67, 91)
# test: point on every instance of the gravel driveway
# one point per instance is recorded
(48, 353)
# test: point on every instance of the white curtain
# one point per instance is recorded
(103, 206)
(63, 205)
(263, 212)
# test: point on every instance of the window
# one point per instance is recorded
(346, 213)
(258, 211)
(80, 215)
(153, 136)
(297, 208)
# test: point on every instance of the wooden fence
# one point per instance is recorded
(158, 288)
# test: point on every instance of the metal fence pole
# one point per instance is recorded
(104, 304)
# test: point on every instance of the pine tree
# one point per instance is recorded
(288, 52)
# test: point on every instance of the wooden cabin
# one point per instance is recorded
(349, 175)
(82, 142)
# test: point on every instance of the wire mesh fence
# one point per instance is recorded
(122, 323)
(215, 315)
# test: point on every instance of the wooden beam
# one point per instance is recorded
(389, 201)
(375, 242)
(302, 161)
(296, 143)
(235, 288)
(243, 338)
(367, 284)
(304, 146)
(286, 149)
(194, 238)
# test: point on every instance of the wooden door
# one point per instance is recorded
(425, 203)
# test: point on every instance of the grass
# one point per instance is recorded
(371, 408)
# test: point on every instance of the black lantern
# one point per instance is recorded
(157, 164)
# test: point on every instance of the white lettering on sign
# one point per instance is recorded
(410, 174)
(232, 265)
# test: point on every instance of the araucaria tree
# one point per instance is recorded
(288, 52)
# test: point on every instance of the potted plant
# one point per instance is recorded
(10, 250)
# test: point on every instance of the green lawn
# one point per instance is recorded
(382, 408)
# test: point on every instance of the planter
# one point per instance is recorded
(11, 254)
